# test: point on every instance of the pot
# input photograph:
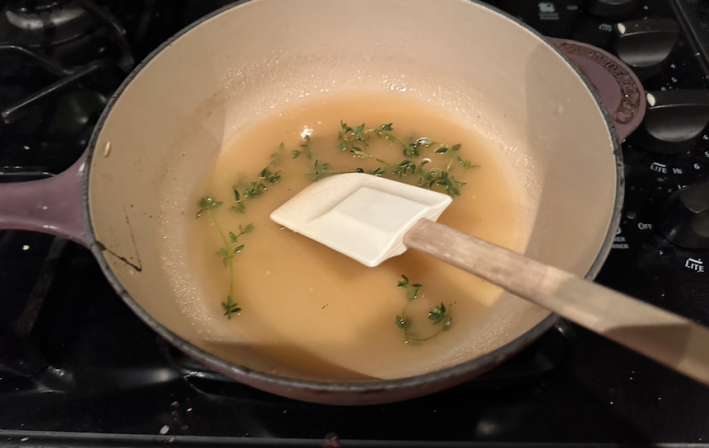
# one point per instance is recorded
(557, 110)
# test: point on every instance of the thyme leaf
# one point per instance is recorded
(412, 290)
(379, 171)
(403, 168)
(439, 315)
(384, 128)
(321, 170)
(230, 307)
(207, 203)
(404, 282)
(401, 323)
(272, 178)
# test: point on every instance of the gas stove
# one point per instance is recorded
(77, 367)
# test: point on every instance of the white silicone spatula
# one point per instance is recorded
(372, 219)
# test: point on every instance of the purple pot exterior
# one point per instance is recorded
(618, 87)
(51, 205)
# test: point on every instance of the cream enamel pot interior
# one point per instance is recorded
(172, 115)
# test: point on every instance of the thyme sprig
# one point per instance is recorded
(228, 251)
(255, 188)
(439, 315)
(352, 139)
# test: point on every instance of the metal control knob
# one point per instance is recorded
(674, 120)
(645, 45)
(610, 9)
(684, 218)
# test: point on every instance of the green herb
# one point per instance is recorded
(384, 128)
(352, 140)
(449, 184)
(206, 204)
(229, 248)
(379, 171)
(412, 290)
(466, 164)
(272, 178)
(305, 149)
(230, 307)
(359, 132)
(404, 167)
(414, 149)
(434, 178)
(439, 315)
(239, 207)
(321, 170)
(256, 188)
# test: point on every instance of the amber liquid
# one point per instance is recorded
(313, 308)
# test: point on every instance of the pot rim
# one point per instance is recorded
(257, 378)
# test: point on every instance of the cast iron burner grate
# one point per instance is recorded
(59, 64)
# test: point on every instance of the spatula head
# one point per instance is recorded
(362, 216)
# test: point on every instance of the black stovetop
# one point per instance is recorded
(77, 367)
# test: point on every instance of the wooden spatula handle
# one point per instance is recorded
(665, 337)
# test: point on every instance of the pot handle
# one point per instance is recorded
(619, 88)
(51, 205)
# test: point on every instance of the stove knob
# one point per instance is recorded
(674, 120)
(610, 9)
(684, 219)
(645, 45)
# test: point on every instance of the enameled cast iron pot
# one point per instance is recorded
(556, 110)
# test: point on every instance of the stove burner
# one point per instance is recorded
(75, 32)
(34, 5)
(42, 19)
(46, 24)
(59, 62)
